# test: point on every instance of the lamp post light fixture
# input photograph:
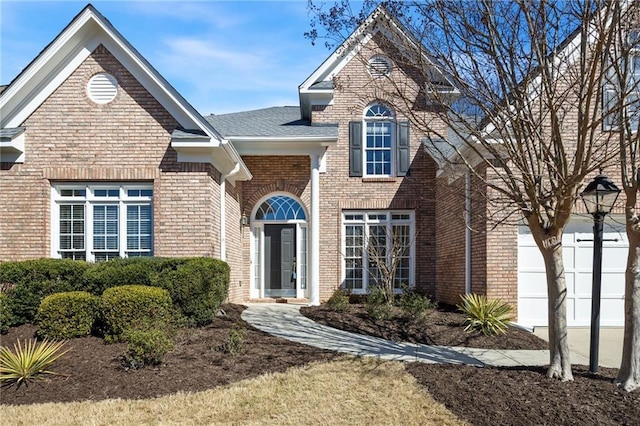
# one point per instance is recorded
(599, 197)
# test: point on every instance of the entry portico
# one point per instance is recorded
(283, 200)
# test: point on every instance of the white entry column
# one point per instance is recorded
(314, 296)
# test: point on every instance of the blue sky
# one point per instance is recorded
(222, 56)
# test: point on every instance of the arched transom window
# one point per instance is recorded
(280, 207)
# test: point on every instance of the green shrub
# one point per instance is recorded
(146, 347)
(377, 305)
(235, 341)
(414, 304)
(133, 307)
(488, 316)
(28, 282)
(339, 300)
(5, 314)
(27, 363)
(118, 272)
(197, 287)
(67, 315)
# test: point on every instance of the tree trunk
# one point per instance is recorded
(629, 374)
(560, 363)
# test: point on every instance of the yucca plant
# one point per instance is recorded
(27, 362)
(491, 317)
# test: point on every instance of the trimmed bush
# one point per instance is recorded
(28, 282)
(67, 315)
(197, 287)
(377, 304)
(339, 300)
(119, 272)
(133, 307)
(146, 347)
(5, 314)
(414, 304)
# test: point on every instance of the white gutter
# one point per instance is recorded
(237, 159)
(283, 138)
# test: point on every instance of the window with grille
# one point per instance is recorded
(97, 222)
(377, 246)
(379, 140)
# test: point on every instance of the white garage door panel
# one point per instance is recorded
(578, 257)
(535, 309)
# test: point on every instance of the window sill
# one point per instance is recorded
(379, 179)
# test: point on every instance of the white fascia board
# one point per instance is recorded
(335, 62)
(282, 146)
(46, 73)
(159, 88)
(216, 153)
(240, 170)
(13, 151)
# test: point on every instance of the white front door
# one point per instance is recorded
(578, 258)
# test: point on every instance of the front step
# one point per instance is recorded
(293, 300)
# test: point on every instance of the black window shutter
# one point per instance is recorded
(403, 160)
(355, 148)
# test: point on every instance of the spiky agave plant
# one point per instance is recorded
(491, 317)
(26, 363)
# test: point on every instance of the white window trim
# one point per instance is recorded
(89, 200)
(387, 119)
(366, 222)
(610, 88)
(256, 247)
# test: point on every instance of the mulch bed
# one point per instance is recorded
(92, 369)
(481, 396)
(525, 396)
(440, 327)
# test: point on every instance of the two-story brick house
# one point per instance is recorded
(100, 157)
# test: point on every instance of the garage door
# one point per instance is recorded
(578, 257)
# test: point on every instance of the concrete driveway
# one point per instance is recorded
(610, 350)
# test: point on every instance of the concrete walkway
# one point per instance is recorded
(286, 321)
(610, 347)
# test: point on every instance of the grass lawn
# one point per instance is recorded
(275, 381)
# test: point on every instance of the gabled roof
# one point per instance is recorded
(319, 85)
(88, 30)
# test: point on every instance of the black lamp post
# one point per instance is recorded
(599, 197)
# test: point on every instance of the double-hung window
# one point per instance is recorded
(621, 100)
(96, 222)
(379, 145)
(378, 247)
(379, 140)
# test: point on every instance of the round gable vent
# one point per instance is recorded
(102, 88)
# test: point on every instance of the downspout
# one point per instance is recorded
(223, 210)
(467, 232)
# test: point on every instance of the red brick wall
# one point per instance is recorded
(450, 239)
(355, 90)
(70, 138)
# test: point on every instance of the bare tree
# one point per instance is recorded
(623, 83)
(519, 87)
